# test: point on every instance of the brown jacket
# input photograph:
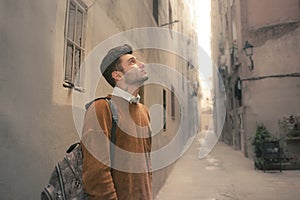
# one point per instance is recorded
(130, 178)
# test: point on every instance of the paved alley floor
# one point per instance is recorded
(225, 174)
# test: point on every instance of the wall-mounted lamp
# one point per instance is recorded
(248, 49)
(172, 22)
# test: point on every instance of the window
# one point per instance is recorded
(165, 109)
(170, 13)
(172, 102)
(182, 81)
(74, 44)
(170, 19)
(155, 10)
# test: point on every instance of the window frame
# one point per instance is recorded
(72, 80)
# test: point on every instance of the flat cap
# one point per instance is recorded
(113, 55)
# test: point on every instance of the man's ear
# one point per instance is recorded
(117, 75)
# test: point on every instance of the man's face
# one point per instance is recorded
(134, 70)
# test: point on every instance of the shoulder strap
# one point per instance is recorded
(90, 103)
(113, 129)
(72, 147)
(114, 112)
(112, 107)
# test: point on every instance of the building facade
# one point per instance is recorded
(44, 46)
(266, 89)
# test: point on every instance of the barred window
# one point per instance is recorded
(74, 44)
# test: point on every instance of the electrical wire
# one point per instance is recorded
(271, 76)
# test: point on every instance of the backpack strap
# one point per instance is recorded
(114, 112)
(72, 147)
(90, 103)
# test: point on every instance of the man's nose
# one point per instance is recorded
(141, 64)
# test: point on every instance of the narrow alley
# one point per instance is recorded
(226, 174)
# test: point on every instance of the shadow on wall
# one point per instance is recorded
(30, 147)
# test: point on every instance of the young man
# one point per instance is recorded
(130, 177)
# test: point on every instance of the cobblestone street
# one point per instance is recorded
(226, 174)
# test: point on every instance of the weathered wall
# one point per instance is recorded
(268, 100)
(268, 91)
(270, 12)
(34, 130)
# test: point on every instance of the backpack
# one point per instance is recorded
(66, 179)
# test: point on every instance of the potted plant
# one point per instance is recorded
(261, 136)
